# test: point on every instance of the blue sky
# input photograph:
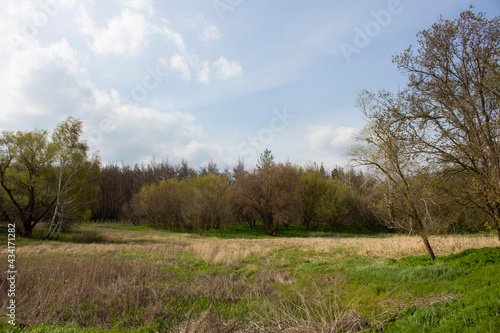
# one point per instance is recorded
(206, 80)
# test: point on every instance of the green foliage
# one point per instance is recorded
(412, 261)
(468, 259)
(474, 258)
(476, 310)
(200, 203)
(38, 174)
(334, 205)
(314, 186)
(26, 178)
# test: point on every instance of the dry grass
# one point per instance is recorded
(231, 250)
(228, 251)
(131, 275)
(87, 291)
(99, 291)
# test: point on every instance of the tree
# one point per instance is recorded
(270, 193)
(364, 193)
(26, 182)
(76, 180)
(200, 203)
(210, 169)
(388, 148)
(214, 201)
(314, 186)
(39, 176)
(266, 160)
(451, 106)
(334, 205)
(446, 122)
(163, 205)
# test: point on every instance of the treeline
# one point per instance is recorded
(120, 182)
(275, 195)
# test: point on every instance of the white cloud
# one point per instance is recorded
(175, 36)
(204, 73)
(178, 63)
(44, 82)
(126, 34)
(210, 32)
(222, 68)
(327, 139)
(140, 5)
(22, 21)
(202, 153)
(226, 69)
(41, 86)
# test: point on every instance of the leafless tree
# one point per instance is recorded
(452, 104)
(388, 148)
(270, 193)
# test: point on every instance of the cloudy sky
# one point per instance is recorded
(206, 80)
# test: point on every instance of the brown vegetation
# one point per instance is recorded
(137, 279)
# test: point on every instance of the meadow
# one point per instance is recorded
(117, 278)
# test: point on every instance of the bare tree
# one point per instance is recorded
(451, 107)
(270, 193)
(388, 148)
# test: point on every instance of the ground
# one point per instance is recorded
(117, 277)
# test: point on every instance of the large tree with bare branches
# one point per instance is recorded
(270, 193)
(447, 119)
(453, 100)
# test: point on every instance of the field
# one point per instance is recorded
(125, 278)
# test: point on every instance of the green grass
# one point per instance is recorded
(289, 284)
(244, 231)
(477, 286)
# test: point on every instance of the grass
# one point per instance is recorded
(126, 278)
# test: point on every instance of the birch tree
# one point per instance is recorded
(72, 165)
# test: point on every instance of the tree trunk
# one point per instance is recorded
(58, 202)
(271, 228)
(498, 229)
(26, 229)
(429, 248)
(496, 219)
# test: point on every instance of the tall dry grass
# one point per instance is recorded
(88, 292)
(130, 277)
(231, 250)
(101, 291)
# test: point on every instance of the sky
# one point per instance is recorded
(207, 80)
